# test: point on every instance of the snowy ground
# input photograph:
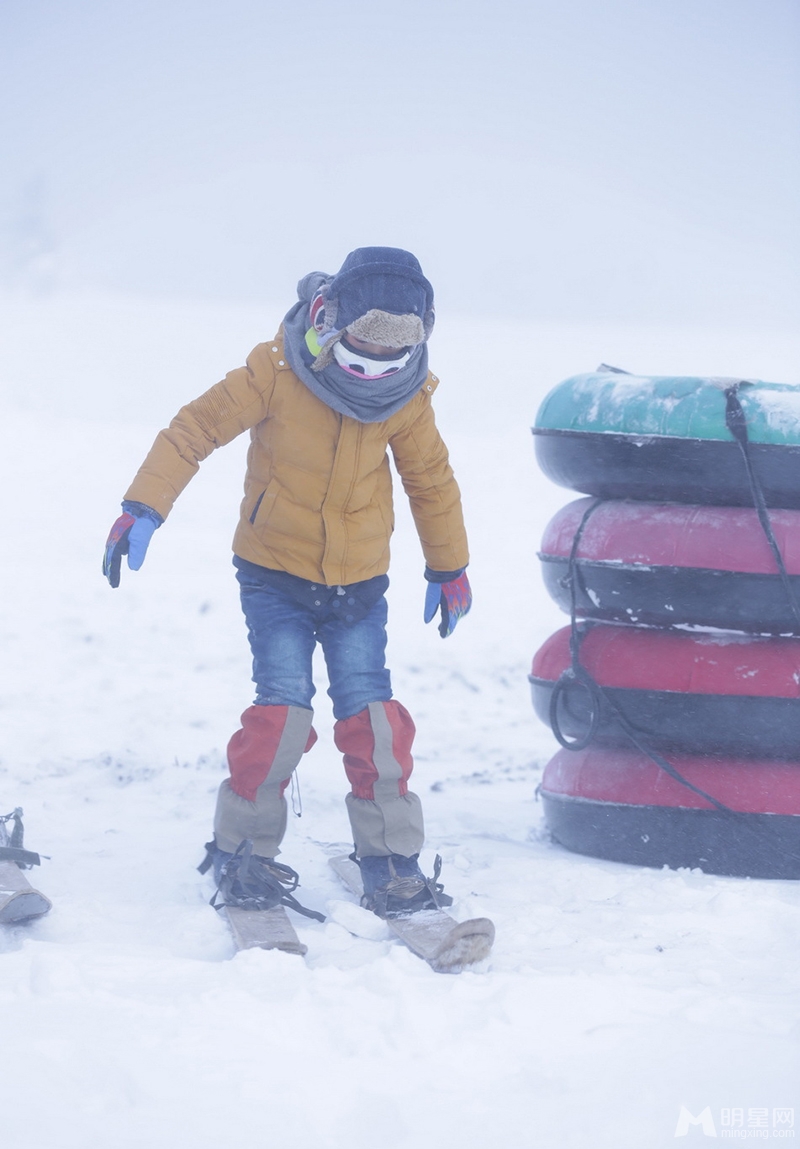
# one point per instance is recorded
(613, 995)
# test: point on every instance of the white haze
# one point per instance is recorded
(620, 160)
(582, 181)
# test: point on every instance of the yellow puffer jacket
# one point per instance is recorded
(318, 488)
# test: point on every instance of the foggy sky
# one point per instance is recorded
(634, 160)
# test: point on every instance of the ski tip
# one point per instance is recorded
(466, 944)
(24, 907)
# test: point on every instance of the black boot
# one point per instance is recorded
(395, 886)
(251, 882)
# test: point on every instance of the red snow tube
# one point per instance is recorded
(618, 804)
(665, 564)
(702, 694)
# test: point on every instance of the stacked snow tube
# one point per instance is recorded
(666, 564)
(622, 436)
(681, 747)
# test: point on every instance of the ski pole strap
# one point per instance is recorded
(736, 422)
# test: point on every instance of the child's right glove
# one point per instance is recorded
(451, 591)
(130, 535)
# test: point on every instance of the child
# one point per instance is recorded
(345, 378)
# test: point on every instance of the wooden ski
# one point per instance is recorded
(263, 929)
(19, 901)
(447, 945)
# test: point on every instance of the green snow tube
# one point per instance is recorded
(667, 438)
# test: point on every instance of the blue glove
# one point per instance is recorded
(450, 591)
(130, 535)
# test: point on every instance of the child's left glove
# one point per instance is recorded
(451, 591)
(130, 535)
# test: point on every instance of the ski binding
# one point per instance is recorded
(252, 895)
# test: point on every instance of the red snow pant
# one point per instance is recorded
(386, 818)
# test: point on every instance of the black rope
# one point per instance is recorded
(599, 701)
(576, 674)
(598, 698)
(736, 422)
(572, 582)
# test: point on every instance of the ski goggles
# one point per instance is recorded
(369, 366)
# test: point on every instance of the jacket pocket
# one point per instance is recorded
(264, 504)
(387, 517)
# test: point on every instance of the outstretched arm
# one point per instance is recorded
(226, 410)
(239, 402)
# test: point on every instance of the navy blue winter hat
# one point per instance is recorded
(380, 278)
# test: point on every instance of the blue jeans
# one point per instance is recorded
(286, 617)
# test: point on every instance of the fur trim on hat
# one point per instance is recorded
(376, 327)
(387, 329)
